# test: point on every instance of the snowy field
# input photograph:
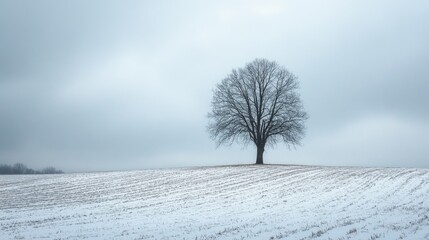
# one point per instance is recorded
(233, 202)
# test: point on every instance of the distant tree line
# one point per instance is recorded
(19, 168)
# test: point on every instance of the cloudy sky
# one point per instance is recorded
(103, 85)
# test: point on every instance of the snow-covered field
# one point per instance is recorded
(231, 202)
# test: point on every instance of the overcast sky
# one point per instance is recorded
(101, 85)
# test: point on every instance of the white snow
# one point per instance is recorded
(230, 202)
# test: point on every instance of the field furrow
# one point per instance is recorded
(228, 202)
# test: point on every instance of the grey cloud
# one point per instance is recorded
(104, 85)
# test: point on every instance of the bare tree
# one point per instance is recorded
(19, 168)
(258, 103)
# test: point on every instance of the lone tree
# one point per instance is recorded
(258, 103)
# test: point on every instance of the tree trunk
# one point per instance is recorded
(260, 154)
